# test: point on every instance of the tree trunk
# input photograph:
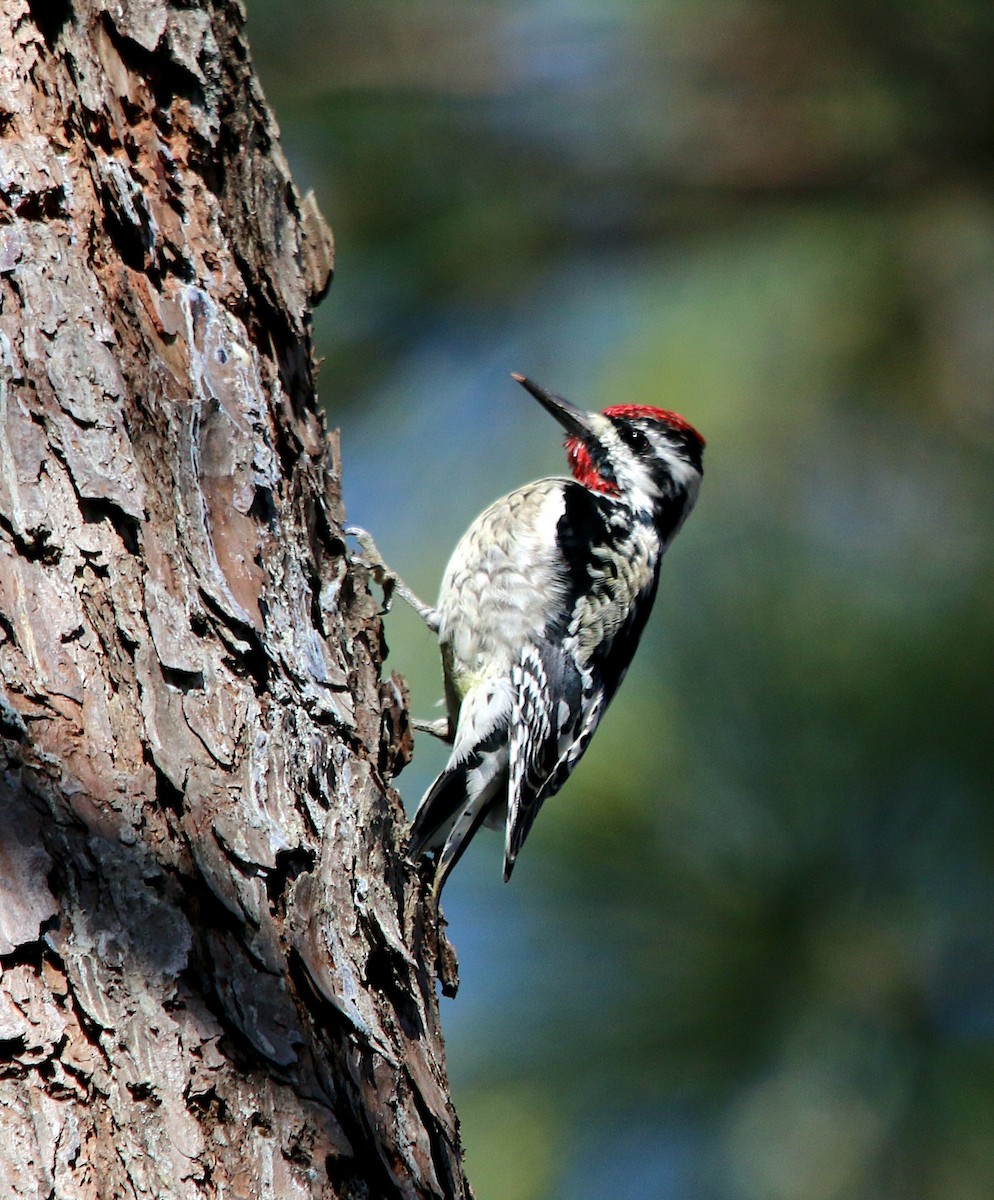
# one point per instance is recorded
(217, 979)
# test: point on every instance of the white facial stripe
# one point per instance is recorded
(683, 472)
(635, 481)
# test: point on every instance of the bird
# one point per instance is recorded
(539, 614)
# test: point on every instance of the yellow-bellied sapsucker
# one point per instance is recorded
(540, 611)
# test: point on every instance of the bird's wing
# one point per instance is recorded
(545, 742)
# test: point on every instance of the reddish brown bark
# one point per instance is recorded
(216, 977)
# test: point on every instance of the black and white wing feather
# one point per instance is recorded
(541, 736)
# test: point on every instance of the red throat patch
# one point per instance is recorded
(584, 470)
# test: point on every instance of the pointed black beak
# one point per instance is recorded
(574, 420)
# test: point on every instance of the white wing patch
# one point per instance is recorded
(486, 708)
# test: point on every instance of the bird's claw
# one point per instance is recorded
(370, 557)
(389, 580)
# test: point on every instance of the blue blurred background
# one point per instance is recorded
(748, 952)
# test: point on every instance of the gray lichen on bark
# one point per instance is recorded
(217, 976)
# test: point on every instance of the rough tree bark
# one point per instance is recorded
(217, 979)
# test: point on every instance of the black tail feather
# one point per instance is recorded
(438, 811)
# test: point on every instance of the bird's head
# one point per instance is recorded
(644, 456)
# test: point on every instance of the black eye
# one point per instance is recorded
(634, 438)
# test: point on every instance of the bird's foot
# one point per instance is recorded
(440, 728)
(371, 558)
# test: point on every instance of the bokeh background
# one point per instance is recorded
(748, 952)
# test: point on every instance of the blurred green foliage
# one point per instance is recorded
(748, 953)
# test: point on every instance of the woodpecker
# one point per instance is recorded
(540, 611)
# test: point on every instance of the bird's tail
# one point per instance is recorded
(474, 779)
(438, 810)
(455, 806)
